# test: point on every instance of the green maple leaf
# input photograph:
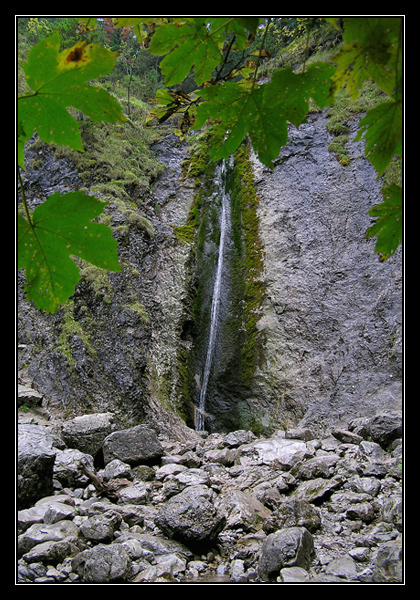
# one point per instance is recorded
(381, 128)
(388, 226)
(290, 92)
(370, 50)
(59, 81)
(262, 112)
(61, 227)
(191, 43)
(241, 111)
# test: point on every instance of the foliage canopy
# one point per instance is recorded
(224, 55)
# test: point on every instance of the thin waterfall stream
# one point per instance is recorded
(214, 318)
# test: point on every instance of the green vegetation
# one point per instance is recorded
(201, 71)
(247, 288)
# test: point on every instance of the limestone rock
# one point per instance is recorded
(137, 445)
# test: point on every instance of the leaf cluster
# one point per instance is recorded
(61, 227)
(238, 105)
(223, 55)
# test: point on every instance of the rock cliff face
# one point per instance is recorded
(331, 313)
(321, 316)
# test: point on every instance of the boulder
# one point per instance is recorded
(137, 445)
(101, 528)
(87, 432)
(41, 532)
(276, 451)
(103, 564)
(289, 547)
(28, 397)
(294, 513)
(191, 517)
(67, 467)
(386, 427)
(36, 457)
(241, 510)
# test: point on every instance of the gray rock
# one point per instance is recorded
(388, 563)
(317, 490)
(28, 397)
(386, 427)
(101, 528)
(35, 463)
(191, 517)
(294, 575)
(103, 564)
(41, 532)
(87, 432)
(294, 513)
(344, 568)
(51, 552)
(241, 509)
(276, 450)
(289, 547)
(67, 467)
(137, 445)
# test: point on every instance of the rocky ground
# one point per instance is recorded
(98, 504)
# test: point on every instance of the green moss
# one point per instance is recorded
(247, 266)
(70, 328)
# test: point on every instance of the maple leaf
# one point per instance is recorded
(388, 226)
(381, 128)
(61, 227)
(59, 81)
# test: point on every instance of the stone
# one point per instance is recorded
(388, 563)
(319, 466)
(241, 510)
(238, 438)
(317, 490)
(294, 512)
(344, 568)
(51, 552)
(386, 427)
(116, 468)
(35, 464)
(137, 445)
(278, 451)
(41, 532)
(102, 564)
(138, 493)
(27, 396)
(347, 437)
(101, 528)
(87, 432)
(289, 547)
(191, 517)
(66, 467)
(294, 575)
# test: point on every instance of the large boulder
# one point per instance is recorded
(191, 517)
(36, 457)
(275, 451)
(289, 547)
(87, 432)
(137, 445)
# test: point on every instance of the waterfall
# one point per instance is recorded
(224, 225)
